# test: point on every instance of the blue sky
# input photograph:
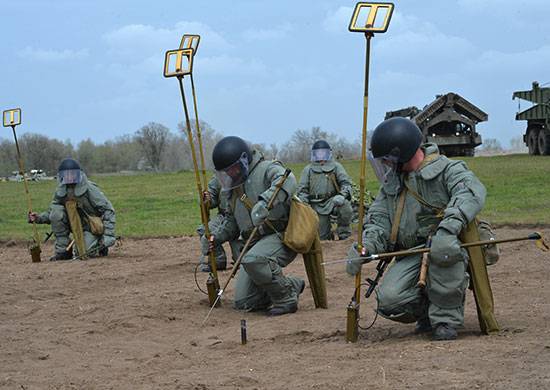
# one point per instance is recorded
(82, 69)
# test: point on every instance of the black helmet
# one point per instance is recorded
(321, 151)
(231, 157)
(69, 172)
(67, 164)
(396, 137)
(229, 150)
(321, 144)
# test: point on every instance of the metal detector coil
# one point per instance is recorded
(366, 15)
(178, 63)
(190, 41)
(12, 117)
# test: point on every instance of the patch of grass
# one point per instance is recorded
(166, 204)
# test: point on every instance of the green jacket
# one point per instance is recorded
(443, 183)
(262, 179)
(319, 183)
(217, 199)
(90, 201)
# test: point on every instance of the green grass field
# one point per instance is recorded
(166, 204)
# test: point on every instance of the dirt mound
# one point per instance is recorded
(133, 321)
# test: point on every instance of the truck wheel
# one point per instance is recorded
(468, 152)
(533, 141)
(544, 142)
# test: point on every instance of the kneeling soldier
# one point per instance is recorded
(326, 186)
(248, 181)
(432, 196)
(93, 210)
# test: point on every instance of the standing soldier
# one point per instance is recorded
(214, 198)
(250, 182)
(424, 194)
(94, 210)
(326, 186)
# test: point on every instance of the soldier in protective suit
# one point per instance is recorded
(91, 203)
(214, 199)
(424, 181)
(326, 186)
(248, 181)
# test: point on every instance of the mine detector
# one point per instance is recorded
(537, 134)
(449, 121)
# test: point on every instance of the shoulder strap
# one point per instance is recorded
(332, 176)
(438, 210)
(397, 218)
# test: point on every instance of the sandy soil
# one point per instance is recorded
(132, 321)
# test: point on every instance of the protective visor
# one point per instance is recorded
(234, 175)
(383, 167)
(321, 155)
(69, 176)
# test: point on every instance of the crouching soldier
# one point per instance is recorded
(326, 186)
(80, 208)
(249, 182)
(424, 194)
(213, 199)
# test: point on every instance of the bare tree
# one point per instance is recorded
(152, 138)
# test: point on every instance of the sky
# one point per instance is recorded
(94, 69)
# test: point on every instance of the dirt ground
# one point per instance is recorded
(133, 321)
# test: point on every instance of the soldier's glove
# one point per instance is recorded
(445, 250)
(32, 217)
(259, 213)
(108, 241)
(355, 259)
(338, 200)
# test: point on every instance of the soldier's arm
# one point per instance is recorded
(344, 181)
(303, 187)
(214, 188)
(467, 197)
(44, 217)
(274, 174)
(226, 231)
(377, 225)
(104, 208)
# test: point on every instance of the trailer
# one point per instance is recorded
(537, 133)
(449, 121)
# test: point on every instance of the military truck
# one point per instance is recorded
(449, 121)
(537, 134)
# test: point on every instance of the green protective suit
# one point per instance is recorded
(443, 183)
(323, 186)
(90, 202)
(216, 223)
(260, 281)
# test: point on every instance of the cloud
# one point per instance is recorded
(338, 21)
(267, 34)
(144, 40)
(51, 55)
(224, 64)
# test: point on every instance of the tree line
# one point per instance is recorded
(154, 147)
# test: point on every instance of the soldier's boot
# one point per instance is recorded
(284, 294)
(423, 325)
(443, 332)
(221, 260)
(344, 232)
(65, 255)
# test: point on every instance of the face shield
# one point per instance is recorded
(384, 167)
(234, 175)
(69, 176)
(321, 155)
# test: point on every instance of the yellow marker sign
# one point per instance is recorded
(178, 63)
(366, 15)
(12, 117)
(190, 41)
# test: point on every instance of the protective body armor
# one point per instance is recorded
(445, 184)
(90, 202)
